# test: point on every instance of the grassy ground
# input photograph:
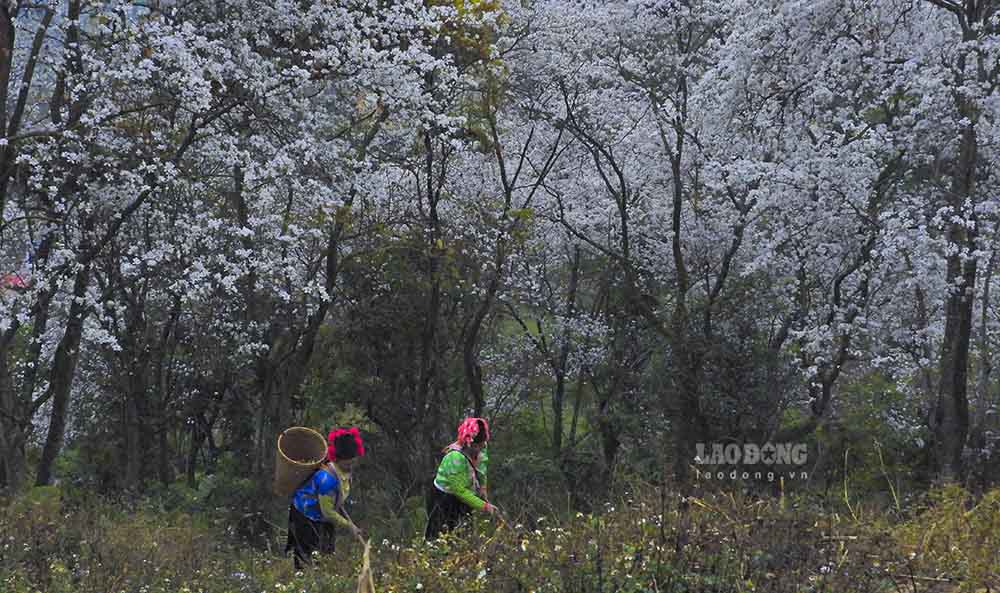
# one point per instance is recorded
(54, 542)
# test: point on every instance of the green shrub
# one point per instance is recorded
(956, 539)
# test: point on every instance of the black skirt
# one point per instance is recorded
(444, 513)
(306, 536)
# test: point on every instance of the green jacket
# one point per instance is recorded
(457, 476)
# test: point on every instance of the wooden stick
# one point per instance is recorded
(935, 579)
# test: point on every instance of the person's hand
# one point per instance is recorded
(358, 533)
(492, 510)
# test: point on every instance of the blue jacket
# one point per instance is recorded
(306, 498)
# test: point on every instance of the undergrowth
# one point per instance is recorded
(715, 543)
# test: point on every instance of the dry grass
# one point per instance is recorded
(719, 544)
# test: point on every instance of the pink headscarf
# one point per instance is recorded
(468, 430)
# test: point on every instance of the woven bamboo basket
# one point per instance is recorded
(300, 452)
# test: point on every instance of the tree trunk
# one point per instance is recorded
(192, 460)
(12, 425)
(470, 350)
(952, 414)
(61, 382)
(558, 396)
(7, 32)
(428, 341)
(17, 407)
(984, 378)
(134, 436)
(926, 380)
(164, 466)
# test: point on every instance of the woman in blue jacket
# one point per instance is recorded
(318, 505)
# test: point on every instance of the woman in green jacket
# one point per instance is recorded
(460, 485)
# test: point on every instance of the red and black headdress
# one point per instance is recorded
(344, 443)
